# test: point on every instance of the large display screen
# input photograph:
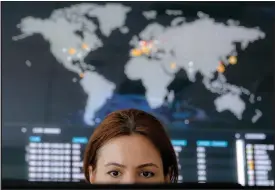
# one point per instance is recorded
(204, 69)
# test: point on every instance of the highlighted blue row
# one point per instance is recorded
(81, 140)
(35, 139)
(212, 143)
(179, 142)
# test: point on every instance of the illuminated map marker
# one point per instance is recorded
(136, 52)
(142, 43)
(232, 60)
(72, 51)
(173, 65)
(81, 75)
(221, 68)
(145, 50)
(84, 46)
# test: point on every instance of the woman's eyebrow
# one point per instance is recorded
(115, 164)
(148, 164)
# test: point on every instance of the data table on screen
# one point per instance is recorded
(256, 159)
(56, 154)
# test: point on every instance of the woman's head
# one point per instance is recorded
(130, 146)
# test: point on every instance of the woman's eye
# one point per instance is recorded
(114, 173)
(147, 174)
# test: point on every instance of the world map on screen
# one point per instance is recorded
(202, 46)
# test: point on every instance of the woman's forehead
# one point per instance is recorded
(129, 149)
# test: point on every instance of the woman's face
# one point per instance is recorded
(128, 159)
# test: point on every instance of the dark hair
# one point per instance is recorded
(127, 122)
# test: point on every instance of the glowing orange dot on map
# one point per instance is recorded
(81, 75)
(232, 60)
(145, 50)
(72, 51)
(221, 68)
(84, 46)
(136, 52)
(173, 65)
